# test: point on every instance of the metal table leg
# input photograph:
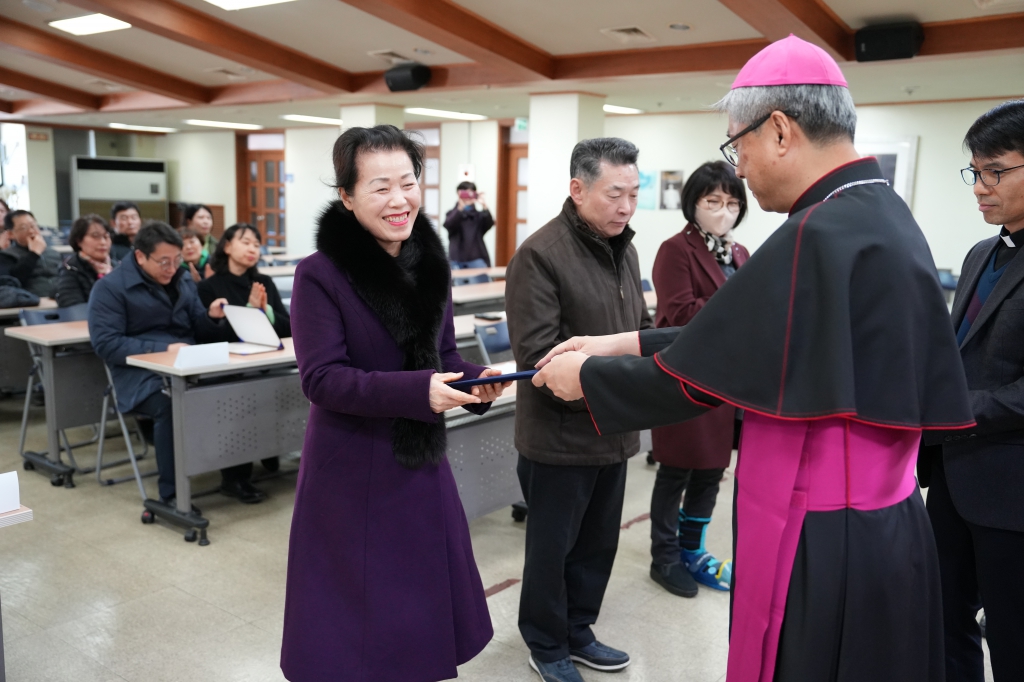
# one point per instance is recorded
(60, 473)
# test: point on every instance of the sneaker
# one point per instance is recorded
(707, 570)
(675, 578)
(600, 657)
(561, 670)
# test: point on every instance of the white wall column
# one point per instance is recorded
(369, 115)
(557, 123)
(476, 143)
(42, 175)
(309, 176)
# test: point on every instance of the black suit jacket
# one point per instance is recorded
(985, 465)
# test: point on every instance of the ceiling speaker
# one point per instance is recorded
(889, 41)
(411, 76)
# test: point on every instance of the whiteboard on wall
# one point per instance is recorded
(98, 181)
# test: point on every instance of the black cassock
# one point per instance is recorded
(835, 338)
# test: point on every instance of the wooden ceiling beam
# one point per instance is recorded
(6, 106)
(724, 56)
(55, 49)
(999, 32)
(811, 20)
(202, 31)
(458, 29)
(49, 90)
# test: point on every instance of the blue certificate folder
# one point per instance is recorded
(466, 384)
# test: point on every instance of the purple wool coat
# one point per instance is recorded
(382, 583)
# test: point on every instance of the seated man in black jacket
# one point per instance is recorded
(127, 220)
(146, 305)
(34, 263)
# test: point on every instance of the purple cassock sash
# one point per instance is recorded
(786, 469)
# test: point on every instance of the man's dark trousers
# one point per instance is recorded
(975, 563)
(572, 534)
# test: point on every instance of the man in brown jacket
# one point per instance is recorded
(577, 275)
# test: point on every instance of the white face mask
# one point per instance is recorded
(717, 222)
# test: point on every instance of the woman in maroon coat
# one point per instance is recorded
(688, 270)
(382, 584)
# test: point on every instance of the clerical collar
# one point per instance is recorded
(855, 171)
(1012, 240)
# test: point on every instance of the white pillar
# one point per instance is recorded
(369, 115)
(557, 123)
(476, 143)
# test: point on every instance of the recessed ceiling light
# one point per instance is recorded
(89, 24)
(222, 124)
(142, 129)
(438, 113)
(302, 118)
(679, 27)
(421, 50)
(244, 4)
(612, 109)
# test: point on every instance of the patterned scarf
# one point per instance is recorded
(720, 246)
(102, 267)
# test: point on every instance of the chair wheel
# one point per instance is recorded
(650, 459)
(28, 466)
(148, 517)
(518, 514)
(191, 536)
(57, 480)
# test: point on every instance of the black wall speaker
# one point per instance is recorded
(890, 41)
(411, 76)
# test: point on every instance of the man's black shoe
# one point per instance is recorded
(271, 464)
(675, 578)
(243, 491)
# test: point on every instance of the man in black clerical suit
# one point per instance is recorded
(976, 494)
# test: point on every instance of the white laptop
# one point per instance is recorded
(254, 330)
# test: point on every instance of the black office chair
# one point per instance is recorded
(645, 284)
(493, 342)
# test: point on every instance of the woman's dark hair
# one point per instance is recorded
(81, 226)
(192, 209)
(997, 131)
(154, 233)
(188, 233)
(465, 184)
(219, 259)
(123, 206)
(705, 180)
(4, 204)
(382, 138)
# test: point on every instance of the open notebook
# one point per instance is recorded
(254, 330)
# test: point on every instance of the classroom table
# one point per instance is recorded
(15, 361)
(651, 299)
(276, 250)
(478, 298)
(277, 270)
(73, 385)
(465, 273)
(248, 409)
(63, 249)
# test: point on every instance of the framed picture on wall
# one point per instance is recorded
(671, 190)
(898, 158)
(648, 197)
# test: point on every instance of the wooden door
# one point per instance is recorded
(266, 199)
(514, 201)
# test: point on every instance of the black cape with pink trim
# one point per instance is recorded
(838, 313)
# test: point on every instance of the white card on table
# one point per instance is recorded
(10, 496)
(202, 355)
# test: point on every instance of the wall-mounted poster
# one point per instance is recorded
(648, 197)
(898, 158)
(671, 190)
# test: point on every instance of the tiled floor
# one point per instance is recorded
(90, 594)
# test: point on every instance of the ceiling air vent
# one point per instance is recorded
(106, 85)
(230, 74)
(629, 35)
(390, 56)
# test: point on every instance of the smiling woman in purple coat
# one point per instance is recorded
(382, 584)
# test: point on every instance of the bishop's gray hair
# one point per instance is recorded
(587, 155)
(826, 112)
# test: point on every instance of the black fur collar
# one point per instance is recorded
(410, 296)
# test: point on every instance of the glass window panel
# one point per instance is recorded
(252, 197)
(280, 197)
(280, 171)
(271, 198)
(252, 219)
(280, 224)
(432, 201)
(523, 172)
(521, 204)
(271, 224)
(432, 174)
(269, 171)
(253, 171)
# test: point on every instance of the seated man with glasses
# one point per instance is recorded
(146, 305)
(35, 264)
